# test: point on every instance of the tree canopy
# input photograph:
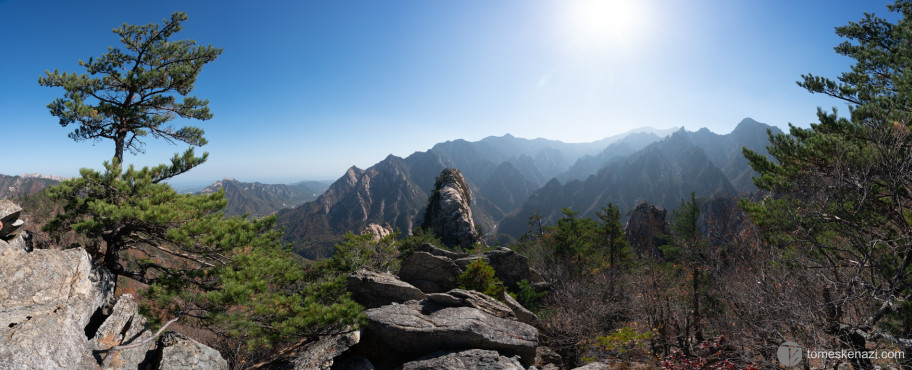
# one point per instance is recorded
(127, 94)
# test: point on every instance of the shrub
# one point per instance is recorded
(528, 297)
(479, 276)
(366, 251)
(420, 236)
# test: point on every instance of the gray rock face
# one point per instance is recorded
(11, 226)
(473, 359)
(46, 300)
(521, 313)
(508, 309)
(371, 289)
(430, 273)
(23, 240)
(509, 266)
(57, 311)
(315, 355)
(449, 214)
(411, 330)
(473, 299)
(546, 358)
(179, 352)
(9, 212)
(124, 326)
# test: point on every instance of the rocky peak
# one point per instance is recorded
(448, 213)
(378, 231)
(644, 229)
(43, 176)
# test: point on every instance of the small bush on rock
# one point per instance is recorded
(479, 276)
(528, 297)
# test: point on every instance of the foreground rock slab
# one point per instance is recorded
(472, 299)
(410, 330)
(430, 273)
(57, 311)
(473, 359)
(179, 352)
(430, 248)
(372, 289)
(9, 212)
(46, 301)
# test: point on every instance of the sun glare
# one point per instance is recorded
(604, 25)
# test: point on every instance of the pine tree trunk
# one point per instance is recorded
(119, 149)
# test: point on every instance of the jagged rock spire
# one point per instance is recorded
(448, 212)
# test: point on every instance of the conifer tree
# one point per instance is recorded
(573, 237)
(689, 248)
(841, 203)
(611, 233)
(232, 274)
(129, 94)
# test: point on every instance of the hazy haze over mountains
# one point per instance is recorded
(509, 177)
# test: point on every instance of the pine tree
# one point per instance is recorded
(611, 234)
(232, 274)
(690, 248)
(132, 96)
(573, 237)
(841, 197)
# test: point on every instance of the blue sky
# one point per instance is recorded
(306, 89)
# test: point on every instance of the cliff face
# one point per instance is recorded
(644, 229)
(449, 214)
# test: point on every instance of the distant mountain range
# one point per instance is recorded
(510, 177)
(258, 200)
(500, 171)
(254, 199)
(663, 174)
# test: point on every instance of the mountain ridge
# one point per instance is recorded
(506, 175)
(257, 199)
